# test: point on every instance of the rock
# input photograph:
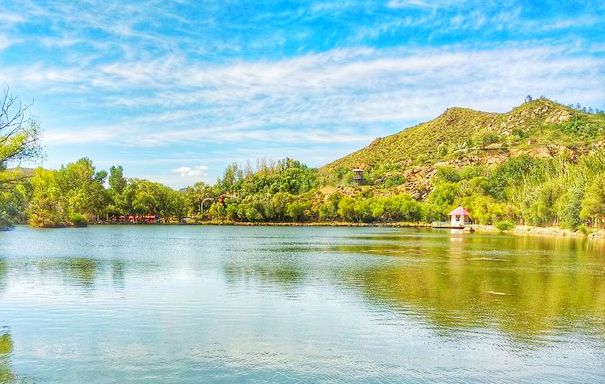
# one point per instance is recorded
(493, 146)
(559, 117)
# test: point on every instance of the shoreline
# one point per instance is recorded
(520, 230)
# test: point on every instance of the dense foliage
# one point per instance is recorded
(527, 190)
(76, 194)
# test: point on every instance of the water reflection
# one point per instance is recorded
(523, 286)
(526, 287)
(6, 348)
(3, 274)
(80, 271)
(117, 272)
(285, 276)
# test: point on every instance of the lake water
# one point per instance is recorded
(199, 304)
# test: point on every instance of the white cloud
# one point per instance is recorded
(194, 171)
(11, 18)
(184, 175)
(4, 42)
(408, 3)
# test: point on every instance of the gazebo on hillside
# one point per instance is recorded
(358, 176)
(460, 217)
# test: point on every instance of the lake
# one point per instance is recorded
(199, 304)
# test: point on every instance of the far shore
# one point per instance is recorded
(522, 230)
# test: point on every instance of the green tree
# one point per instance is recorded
(83, 189)
(117, 181)
(593, 204)
(444, 195)
(14, 203)
(47, 207)
(198, 198)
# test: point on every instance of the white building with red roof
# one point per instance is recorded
(460, 217)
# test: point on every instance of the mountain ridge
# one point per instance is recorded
(463, 136)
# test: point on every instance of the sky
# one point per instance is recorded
(175, 90)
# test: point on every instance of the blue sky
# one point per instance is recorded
(176, 90)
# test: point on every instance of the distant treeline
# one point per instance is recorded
(560, 191)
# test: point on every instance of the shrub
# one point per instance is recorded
(489, 138)
(393, 180)
(585, 230)
(78, 220)
(505, 225)
(448, 174)
(5, 221)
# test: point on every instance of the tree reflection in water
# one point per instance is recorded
(6, 349)
(3, 272)
(523, 286)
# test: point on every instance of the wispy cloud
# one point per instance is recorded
(316, 98)
(4, 41)
(409, 3)
(10, 18)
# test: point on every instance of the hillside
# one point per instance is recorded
(460, 136)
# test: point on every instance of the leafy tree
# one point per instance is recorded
(47, 208)
(83, 189)
(593, 204)
(13, 204)
(117, 181)
(198, 198)
(328, 209)
(570, 206)
(512, 172)
(444, 195)
(447, 174)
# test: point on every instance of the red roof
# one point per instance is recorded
(459, 212)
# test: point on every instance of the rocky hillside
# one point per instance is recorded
(461, 136)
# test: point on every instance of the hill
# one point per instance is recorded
(460, 136)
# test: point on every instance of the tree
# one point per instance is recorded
(544, 206)
(296, 210)
(19, 135)
(13, 205)
(117, 181)
(117, 184)
(198, 198)
(83, 189)
(46, 207)
(444, 195)
(231, 178)
(593, 204)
